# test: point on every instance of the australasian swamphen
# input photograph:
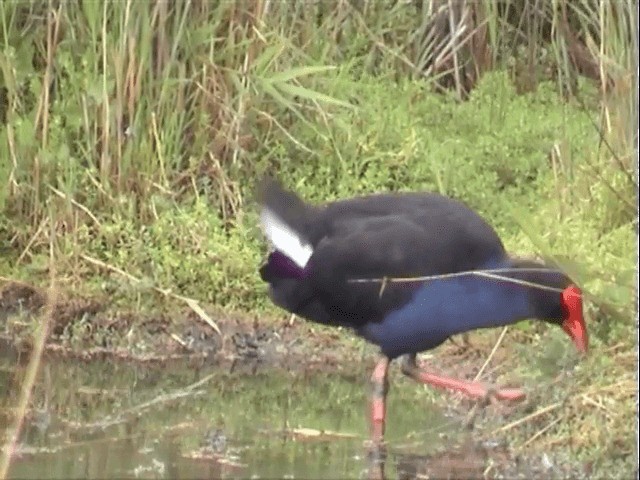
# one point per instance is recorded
(325, 256)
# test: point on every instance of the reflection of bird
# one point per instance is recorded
(322, 253)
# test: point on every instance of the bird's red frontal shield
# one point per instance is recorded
(573, 323)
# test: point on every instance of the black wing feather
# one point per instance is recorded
(376, 236)
(391, 246)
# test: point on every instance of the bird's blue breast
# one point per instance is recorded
(445, 307)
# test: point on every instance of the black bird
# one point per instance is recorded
(325, 257)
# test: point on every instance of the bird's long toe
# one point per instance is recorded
(487, 393)
(510, 394)
(473, 390)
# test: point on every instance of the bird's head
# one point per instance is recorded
(556, 299)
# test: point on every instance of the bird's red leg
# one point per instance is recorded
(470, 389)
(379, 389)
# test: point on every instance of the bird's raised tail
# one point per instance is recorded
(291, 227)
(286, 221)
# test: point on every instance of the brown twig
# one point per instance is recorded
(76, 204)
(493, 351)
(540, 433)
(491, 273)
(527, 418)
(34, 363)
(193, 304)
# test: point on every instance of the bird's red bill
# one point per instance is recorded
(573, 323)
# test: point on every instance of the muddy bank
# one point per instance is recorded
(243, 351)
(90, 329)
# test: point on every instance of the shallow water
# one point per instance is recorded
(114, 420)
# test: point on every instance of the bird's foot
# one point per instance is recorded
(491, 396)
(488, 394)
(474, 390)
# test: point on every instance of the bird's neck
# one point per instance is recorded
(503, 298)
(485, 304)
(440, 308)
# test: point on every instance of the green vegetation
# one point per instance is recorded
(132, 133)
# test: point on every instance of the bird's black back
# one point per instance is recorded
(372, 237)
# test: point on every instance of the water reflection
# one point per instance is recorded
(110, 420)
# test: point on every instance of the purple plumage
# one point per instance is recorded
(280, 265)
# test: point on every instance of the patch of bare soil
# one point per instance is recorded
(21, 298)
(15, 297)
(88, 329)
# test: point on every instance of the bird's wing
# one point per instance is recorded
(391, 247)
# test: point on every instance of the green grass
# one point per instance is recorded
(132, 133)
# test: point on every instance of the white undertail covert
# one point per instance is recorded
(284, 238)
